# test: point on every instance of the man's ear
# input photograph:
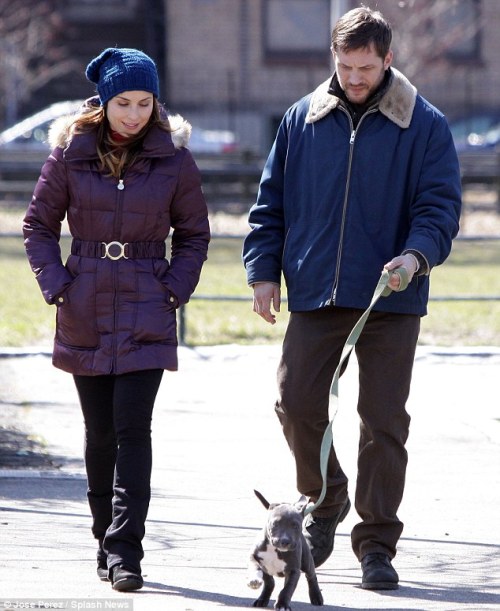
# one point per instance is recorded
(388, 59)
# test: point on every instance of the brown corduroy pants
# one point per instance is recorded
(385, 351)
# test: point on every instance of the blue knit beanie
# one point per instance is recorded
(118, 70)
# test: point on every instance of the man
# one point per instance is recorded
(362, 175)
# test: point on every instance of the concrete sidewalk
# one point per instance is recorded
(216, 438)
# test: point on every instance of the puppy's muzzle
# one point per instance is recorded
(283, 543)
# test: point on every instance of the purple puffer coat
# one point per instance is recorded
(117, 316)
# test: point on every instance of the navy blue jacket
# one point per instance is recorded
(335, 204)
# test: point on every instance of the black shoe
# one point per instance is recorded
(378, 573)
(125, 579)
(102, 564)
(320, 533)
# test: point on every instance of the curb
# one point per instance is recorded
(39, 474)
(422, 351)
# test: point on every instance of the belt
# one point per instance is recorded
(116, 250)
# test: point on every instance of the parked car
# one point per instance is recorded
(476, 131)
(24, 148)
(212, 141)
(477, 140)
(31, 133)
(488, 140)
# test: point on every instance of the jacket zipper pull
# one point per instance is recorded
(120, 186)
(353, 135)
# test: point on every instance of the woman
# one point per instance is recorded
(122, 176)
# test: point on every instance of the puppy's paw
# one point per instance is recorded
(255, 581)
(315, 595)
(255, 584)
(317, 600)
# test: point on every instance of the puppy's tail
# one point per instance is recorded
(262, 499)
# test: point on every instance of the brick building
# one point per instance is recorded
(239, 64)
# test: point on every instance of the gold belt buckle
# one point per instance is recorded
(120, 255)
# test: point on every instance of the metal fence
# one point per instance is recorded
(183, 322)
(183, 317)
(183, 310)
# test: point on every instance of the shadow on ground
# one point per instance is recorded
(22, 450)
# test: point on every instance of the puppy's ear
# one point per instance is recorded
(262, 499)
(301, 504)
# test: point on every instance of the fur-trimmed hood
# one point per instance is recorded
(61, 133)
(397, 104)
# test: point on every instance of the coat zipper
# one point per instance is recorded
(119, 201)
(116, 229)
(352, 139)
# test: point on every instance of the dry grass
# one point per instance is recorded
(472, 269)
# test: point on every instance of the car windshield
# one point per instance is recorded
(33, 130)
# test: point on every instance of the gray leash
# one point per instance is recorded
(382, 290)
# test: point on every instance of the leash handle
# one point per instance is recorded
(403, 281)
(381, 290)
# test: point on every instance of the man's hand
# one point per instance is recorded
(263, 294)
(409, 262)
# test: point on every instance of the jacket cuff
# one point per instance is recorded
(423, 264)
(252, 284)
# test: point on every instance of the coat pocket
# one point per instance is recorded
(76, 317)
(155, 317)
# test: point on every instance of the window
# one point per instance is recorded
(296, 29)
(460, 25)
(97, 10)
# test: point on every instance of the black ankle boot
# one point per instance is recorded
(378, 573)
(320, 533)
(125, 579)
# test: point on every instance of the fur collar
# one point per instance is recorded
(397, 103)
(181, 131)
(61, 133)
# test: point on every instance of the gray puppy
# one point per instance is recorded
(282, 552)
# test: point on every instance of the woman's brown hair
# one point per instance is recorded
(116, 155)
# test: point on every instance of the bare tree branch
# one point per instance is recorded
(426, 32)
(32, 51)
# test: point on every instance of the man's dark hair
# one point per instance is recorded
(360, 27)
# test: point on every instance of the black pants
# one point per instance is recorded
(385, 351)
(117, 411)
